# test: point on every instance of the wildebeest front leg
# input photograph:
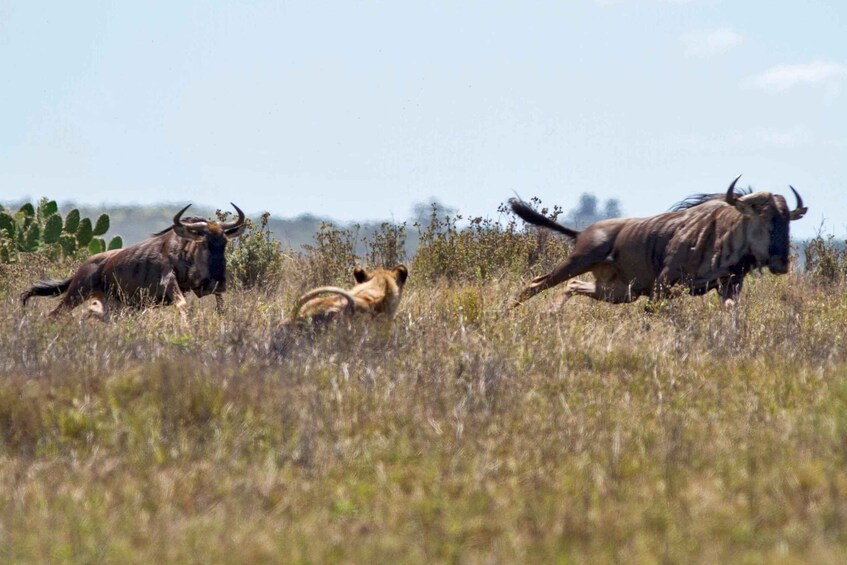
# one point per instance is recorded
(173, 295)
(730, 291)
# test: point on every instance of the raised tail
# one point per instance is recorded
(45, 288)
(525, 212)
(351, 301)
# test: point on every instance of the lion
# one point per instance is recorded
(378, 292)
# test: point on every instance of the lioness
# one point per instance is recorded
(377, 292)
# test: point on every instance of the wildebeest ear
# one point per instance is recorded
(232, 233)
(360, 275)
(186, 232)
(748, 204)
(401, 273)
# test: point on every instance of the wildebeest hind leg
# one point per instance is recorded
(614, 292)
(70, 300)
(572, 267)
(581, 287)
(99, 308)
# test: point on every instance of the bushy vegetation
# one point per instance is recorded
(484, 249)
(462, 432)
(826, 259)
(253, 258)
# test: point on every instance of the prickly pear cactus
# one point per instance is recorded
(41, 228)
(52, 228)
(102, 225)
(72, 221)
(85, 232)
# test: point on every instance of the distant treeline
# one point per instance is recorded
(136, 222)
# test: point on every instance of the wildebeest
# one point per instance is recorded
(706, 242)
(187, 256)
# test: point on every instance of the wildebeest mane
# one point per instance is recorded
(697, 199)
(190, 220)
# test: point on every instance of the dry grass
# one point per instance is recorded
(463, 432)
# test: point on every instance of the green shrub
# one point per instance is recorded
(331, 260)
(826, 261)
(386, 246)
(485, 249)
(253, 259)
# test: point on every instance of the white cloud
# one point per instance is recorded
(782, 77)
(710, 42)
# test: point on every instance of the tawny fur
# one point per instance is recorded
(378, 292)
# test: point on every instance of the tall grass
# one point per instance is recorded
(560, 431)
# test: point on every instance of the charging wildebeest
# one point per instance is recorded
(706, 242)
(187, 256)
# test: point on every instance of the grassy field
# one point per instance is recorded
(559, 432)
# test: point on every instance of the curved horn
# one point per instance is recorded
(187, 225)
(799, 211)
(178, 217)
(236, 223)
(730, 193)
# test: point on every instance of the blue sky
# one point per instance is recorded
(357, 110)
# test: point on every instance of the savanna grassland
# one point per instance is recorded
(563, 431)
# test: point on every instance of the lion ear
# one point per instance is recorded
(401, 273)
(360, 275)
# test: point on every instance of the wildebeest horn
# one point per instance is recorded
(235, 224)
(178, 217)
(730, 193)
(799, 211)
(188, 225)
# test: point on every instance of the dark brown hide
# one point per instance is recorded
(710, 243)
(188, 256)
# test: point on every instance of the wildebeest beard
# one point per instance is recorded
(780, 242)
(216, 281)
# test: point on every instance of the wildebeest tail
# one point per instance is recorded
(46, 288)
(525, 212)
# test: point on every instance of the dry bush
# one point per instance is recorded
(485, 249)
(826, 260)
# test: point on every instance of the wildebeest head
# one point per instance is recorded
(209, 265)
(768, 218)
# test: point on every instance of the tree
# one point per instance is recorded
(587, 211)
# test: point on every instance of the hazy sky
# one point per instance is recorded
(356, 110)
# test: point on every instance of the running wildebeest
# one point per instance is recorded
(187, 256)
(706, 242)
